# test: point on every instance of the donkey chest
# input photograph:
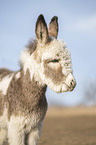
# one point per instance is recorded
(36, 115)
(32, 121)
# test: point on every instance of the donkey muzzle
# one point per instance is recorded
(70, 82)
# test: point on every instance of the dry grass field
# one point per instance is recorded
(69, 126)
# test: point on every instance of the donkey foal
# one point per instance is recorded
(45, 62)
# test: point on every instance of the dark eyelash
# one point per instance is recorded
(54, 60)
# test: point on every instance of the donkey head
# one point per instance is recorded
(52, 57)
(50, 63)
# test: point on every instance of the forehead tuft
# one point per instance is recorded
(56, 48)
(57, 45)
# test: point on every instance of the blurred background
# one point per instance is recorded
(77, 27)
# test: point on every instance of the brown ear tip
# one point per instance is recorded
(41, 17)
(55, 18)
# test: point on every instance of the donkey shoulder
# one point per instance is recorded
(4, 72)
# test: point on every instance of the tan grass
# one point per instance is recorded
(71, 111)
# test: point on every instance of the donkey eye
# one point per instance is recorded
(53, 60)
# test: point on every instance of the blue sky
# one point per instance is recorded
(77, 27)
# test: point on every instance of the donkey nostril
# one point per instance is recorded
(72, 83)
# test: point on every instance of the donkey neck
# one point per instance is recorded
(35, 93)
(26, 96)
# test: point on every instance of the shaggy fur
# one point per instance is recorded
(4, 72)
(44, 62)
(1, 104)
(30, 97)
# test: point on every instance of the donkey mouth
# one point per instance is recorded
(71, 87)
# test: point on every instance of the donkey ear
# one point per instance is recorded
(53, 27)
(41, 30)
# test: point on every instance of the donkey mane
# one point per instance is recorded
(32, 45)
